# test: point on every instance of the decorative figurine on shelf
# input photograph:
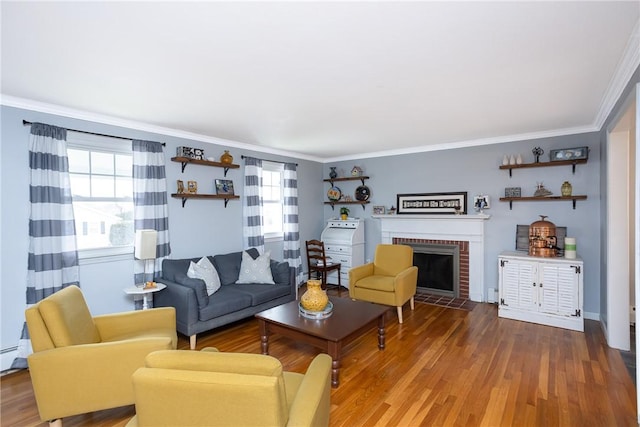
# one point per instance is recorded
(541, 191)
(392, 210)
(333, 174)
(537, 152)
(226, 158)
(356, 171)
(344, 213)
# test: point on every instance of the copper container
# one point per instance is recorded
(542, 239)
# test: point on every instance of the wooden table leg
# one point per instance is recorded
(264, 336)
(381, 337)
(334, 351)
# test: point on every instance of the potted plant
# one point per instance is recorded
(344, 213)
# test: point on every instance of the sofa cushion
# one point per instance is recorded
(256, 270)
(171, 267)
(226, 300)
(228, 265)
(197, 285)
(205, 270)
(259, 293)
(280, 272)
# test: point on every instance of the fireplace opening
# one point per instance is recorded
(438, 268)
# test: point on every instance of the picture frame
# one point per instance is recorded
(481, 202)
(192, 187)
(378, 210)
(513, 192)
(432, 203)
(577, 153)
(224, 187)
(180, 186)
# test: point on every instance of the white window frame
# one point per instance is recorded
(268, 166)
(83, 141)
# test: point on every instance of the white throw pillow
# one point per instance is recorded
(207, 272)
(256, 270)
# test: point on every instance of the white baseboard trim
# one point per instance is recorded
(592, 316)
(7, 357)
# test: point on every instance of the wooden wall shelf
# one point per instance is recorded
(186, 196)
(186, 160)
(347, 178)
(571, 163)
(354, 202)
(541, 199)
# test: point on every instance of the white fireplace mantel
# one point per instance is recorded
(468, 228)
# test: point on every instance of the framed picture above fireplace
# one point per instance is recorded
(432, 203)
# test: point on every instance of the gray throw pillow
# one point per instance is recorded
(280, 272)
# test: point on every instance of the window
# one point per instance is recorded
(100, 170)
(272, 194)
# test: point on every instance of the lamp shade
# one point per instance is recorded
(145, 247)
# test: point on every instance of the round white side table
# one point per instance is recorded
(134, 290)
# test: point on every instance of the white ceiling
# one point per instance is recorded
(325, 80)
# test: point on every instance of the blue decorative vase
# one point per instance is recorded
(333, 174)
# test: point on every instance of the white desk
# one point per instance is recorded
(134, 290)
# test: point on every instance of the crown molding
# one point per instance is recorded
(470, 143)
(626, 67)
(42, 107)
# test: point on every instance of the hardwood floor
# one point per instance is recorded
(442, 367)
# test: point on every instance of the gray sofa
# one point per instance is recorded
(198, 312)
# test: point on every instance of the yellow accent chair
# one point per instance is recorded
(209, 388)
(391, 278)
(81, 363)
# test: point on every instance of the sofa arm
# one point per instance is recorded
(129, 323)
(359, 272)
(405, 284)
(311, 405)
(183, 299)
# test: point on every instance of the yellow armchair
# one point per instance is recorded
(391, 278)
(208, 388)
(82, 363)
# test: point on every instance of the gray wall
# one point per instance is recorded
(630, 87)
(476, 171)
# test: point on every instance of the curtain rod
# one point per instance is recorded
(27, 123)
(267, 160)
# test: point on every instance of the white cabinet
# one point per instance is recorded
(348, 256)
(548, 291)
(344, 243)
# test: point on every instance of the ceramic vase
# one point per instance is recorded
(333, 174)
(519, 160)
(512, 160)
(226, 158)
(314, 299)
(566, 188)
(505, 160)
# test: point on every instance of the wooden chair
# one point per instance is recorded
(317, 262)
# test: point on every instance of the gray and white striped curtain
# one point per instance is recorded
(53, 256)
(290, 222)
(252, 207)
(150, 208)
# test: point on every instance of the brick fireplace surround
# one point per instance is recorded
(467, 231)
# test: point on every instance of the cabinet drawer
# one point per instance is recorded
(330, 247)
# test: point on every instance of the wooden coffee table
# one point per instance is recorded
(349, 320)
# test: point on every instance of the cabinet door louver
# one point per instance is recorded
(559, 290)
(514, 294)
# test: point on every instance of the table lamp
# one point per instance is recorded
(145, 248)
